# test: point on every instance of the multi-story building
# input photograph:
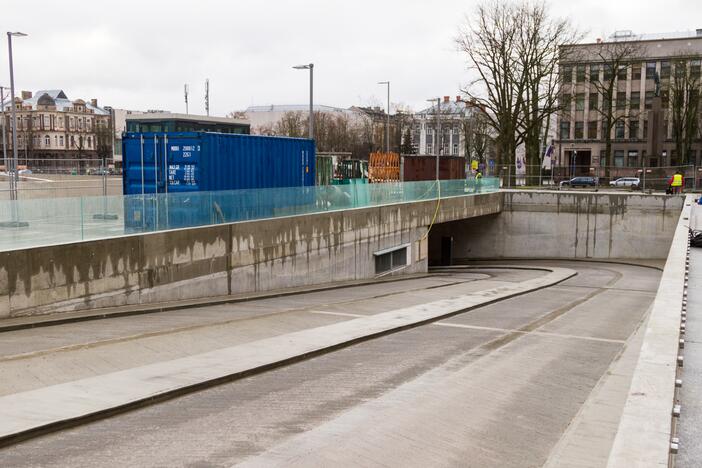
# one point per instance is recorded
(452, 115)
(54, 132)
(641, 134)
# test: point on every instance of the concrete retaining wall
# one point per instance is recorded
(567, 225)
(222, 260)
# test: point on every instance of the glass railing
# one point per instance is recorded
(38, 222)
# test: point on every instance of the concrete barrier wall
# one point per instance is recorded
(567, 225)
(222, 260)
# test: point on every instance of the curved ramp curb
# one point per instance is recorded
(27, 414)
(643, 437)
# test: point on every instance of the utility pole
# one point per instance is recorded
(207, 96)
(185, 88)
(387, 124)
(309, 67)
(438, 132)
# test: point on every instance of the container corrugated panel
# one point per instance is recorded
(201, 161)
(416, 168)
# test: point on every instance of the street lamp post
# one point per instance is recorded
(438, 132)
(4, 138)
(10, 35)
(309, 67)
(387, 125)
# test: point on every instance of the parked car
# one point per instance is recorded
(632, 182)
(580, 182)
(24, 172)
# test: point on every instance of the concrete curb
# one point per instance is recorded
(643, 436)
(28, 414)
(23, 323)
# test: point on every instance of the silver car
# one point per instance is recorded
(632, 182)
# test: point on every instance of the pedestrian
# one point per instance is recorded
(676, 183)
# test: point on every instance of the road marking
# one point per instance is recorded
(340, 314)
(523, 332)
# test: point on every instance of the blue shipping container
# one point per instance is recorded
(183, 163)
(201, 161)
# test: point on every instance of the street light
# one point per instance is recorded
(309, 67)
(387, 127)
(14, 176)
(438, 132)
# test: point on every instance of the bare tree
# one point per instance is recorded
(476, 135)
(685, 98)
(539, 51)
(514, 49)
(490, 44)
(291, 124)
(613, 60)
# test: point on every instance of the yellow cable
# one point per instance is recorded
(436, 211)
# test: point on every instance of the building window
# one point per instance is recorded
(579, 102)
(61, 141)
(567, 74)
(565, 130)
(579, 128)
(649, 99)
(47, 141)
(665, 98)
(645, 129)
(650, 70)
(607, 74)
(592, 129)
(621, 72)
(594, 72)
(565, 102)
(455, 148)
(90, 142)
(633, 129)
(621, 100)
(580, 73)
(605, 130)
(73, 142)
(619, 129)
(592, 101)
(695, 68)
(619, 158)
(665, 69)
(635, 100)
(636, 71)
(388, 261)
(632, 159)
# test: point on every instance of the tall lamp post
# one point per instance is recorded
(309, 67)
(438, 132)
(10, 35)
(387, 125)
(5, 162)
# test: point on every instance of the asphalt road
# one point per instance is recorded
(501, 385)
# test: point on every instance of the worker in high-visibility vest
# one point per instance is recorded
(676, 182)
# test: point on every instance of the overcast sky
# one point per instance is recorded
(138, 54)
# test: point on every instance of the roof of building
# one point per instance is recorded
(192, 117)
(60, 99)
(451, 107)
(295, 108)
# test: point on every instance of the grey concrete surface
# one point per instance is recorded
(31, 410)
(221, 260)
(689, 429)
(588, 225)
(471, 390)
(644, 434)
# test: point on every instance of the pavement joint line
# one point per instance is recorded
(533, 332)
(173, 330)
(340, 314)
(27, 414)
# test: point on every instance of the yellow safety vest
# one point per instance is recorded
(677, 181)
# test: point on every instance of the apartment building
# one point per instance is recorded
(54, 131)
(642, 133)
